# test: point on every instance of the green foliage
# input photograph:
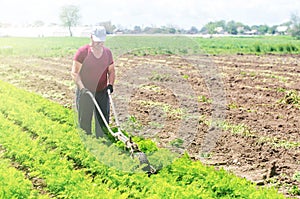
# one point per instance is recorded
(13, 184)
(41, 47)
(294, 190)
(150, 45)
(240, 129)
(177, 142)
(145, 145)
(51, 149)
(132, 124)
(204, 99)
(257, 48)
(291, 97)
(297, 176)
(250, 45)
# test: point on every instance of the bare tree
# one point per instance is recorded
(70, 16)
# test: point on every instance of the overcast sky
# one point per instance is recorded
(128, 13)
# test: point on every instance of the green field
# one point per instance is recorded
(143, 45)
(40, 137)
(42, 153)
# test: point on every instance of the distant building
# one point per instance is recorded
(282, 30)
(251, 32)
(219, 30)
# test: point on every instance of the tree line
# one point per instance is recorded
(70, 17)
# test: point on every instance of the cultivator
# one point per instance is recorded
(135, 152)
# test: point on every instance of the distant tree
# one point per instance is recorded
(247, 28)
(38, 23)
(210, 28)
(288, 24)
(203, 30)
(263, 29)
(147, 29)
(221, 23)
(172, 30)
(254, 27)
(137, 29)
(152, 30)
(272, 29)
(231, 27)
(295, 19)
(108, 26)
(181, 31)
(70, 16)
(193, 30)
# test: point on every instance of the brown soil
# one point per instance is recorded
(172, 98)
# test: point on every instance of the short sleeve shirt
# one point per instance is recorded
(94, 70)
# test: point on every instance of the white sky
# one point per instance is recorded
(128, 13)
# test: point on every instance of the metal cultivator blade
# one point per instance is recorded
(144, 162)
(133, 147)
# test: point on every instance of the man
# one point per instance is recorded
(93, 70)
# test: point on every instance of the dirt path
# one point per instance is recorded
(171, 97)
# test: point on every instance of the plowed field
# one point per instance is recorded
(171, 100)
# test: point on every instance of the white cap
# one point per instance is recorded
(98, 33)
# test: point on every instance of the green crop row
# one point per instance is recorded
(51, 149)
(250, 45)
(58, 174)
(61, 115)
(145, 45)
(13, 184)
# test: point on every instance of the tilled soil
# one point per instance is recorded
(176, 101)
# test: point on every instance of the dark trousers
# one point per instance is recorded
(86, 109)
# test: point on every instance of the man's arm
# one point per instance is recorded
(111, 74)
(76, 67)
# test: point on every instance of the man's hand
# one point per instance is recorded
(83, 91)
(110, 88)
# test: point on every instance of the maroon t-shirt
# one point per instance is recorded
(94, 70)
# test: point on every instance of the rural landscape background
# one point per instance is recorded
(215, 109)
(258, 137)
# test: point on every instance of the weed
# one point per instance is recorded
(240, 129)
(132, 124)
(257, 48)
(251, 110)
(294, 190)
(233, 105)
(204, 99)
(291, 97)
(275, 142)
(153, 88)
(281, 90)
(243, 73)
(156, 124)
(272, 49)
(185, 76)
(297, 176)
(281, 48)
(177, 142)
(159, 77)
(252, 74)
(175, 113)
(280, 78)
(205, 155)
